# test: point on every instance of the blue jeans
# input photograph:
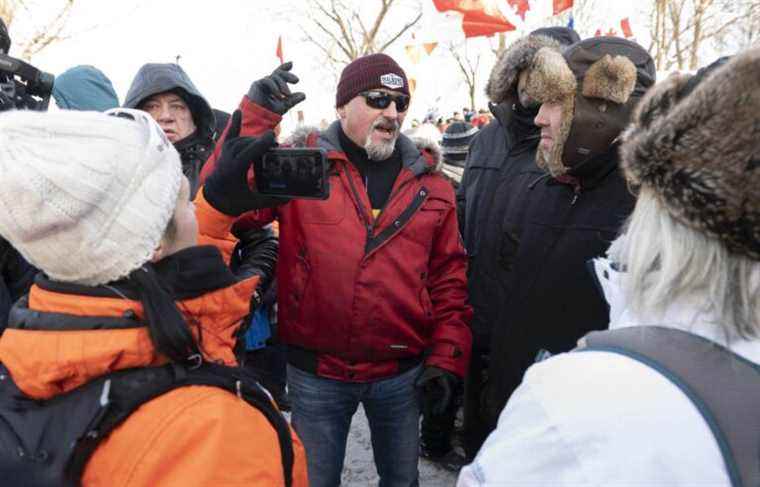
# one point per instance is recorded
(322, 412)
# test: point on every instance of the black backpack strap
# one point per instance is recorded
(723, 386)
(124, 391)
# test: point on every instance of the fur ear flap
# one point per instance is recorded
(511, 62)
(550, 78)
(611, 79)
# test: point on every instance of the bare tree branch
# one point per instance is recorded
(342, 24)
(384, 6)
(467, 69)
(350, 45)
(400, 33)
(332, 36)
(322, 48)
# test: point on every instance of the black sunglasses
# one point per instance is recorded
(382, 100)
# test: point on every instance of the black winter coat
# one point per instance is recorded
(16, 276)
(509, 140)
(528, 279)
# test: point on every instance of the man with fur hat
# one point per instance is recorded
(557, 212)
(687, 267)
(508, 141)
(372, 289)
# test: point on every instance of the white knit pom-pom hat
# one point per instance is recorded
(86, 197)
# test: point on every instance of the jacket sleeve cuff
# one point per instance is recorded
(211, 222)
(256, 119)
(449, 357)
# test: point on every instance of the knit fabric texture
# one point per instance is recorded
(367, 73)
(86, 197)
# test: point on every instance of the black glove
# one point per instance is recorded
(438, 388)
(255, 254)
(6, 102)
(272, 92)
(226, 188)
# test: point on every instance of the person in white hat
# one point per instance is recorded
(99, 204)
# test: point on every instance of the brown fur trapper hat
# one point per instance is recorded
(598, 82)
(700, 152)
(502, 84)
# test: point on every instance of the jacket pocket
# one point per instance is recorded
(425, 222)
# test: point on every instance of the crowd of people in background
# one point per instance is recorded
(561, 289)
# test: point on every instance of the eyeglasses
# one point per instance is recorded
(381, 100)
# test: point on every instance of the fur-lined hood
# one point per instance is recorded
(502, 83)
(699, 151)
(429, 146)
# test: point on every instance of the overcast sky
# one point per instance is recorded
(226, 44)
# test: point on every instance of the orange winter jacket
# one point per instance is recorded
(191, 436)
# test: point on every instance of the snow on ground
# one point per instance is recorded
(359, 468)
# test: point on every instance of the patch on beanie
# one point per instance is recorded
(392, 81)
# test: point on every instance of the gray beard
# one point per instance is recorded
(379, 151)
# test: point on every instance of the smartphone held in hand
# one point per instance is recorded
(293, 173)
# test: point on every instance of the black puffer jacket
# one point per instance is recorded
(16, 276)
(537, 238)
(194, 149)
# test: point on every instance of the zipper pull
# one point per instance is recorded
(577, 191)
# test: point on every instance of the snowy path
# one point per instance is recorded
(359, 468)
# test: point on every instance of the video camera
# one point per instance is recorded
(22, 86)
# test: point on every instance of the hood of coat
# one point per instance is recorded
(154, 78)
(84, 88)
(61, 336)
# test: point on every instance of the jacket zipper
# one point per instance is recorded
(370, 227)
(361, 210)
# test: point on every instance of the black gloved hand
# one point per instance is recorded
(273, 93)
(226, 188)
(6, 102)
(438, 388)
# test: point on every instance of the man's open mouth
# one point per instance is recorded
(386, 128)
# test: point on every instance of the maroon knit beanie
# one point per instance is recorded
(369, 73)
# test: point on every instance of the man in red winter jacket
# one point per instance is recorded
(371, 281)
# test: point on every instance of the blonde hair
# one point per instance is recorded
(666, 260)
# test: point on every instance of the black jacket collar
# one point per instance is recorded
(187, 274)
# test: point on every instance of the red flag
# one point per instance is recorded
(520, 6)
(625, 25)
(278, 52)
(562, 5)
(480, 17)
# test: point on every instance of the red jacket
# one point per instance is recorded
(362, 298)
